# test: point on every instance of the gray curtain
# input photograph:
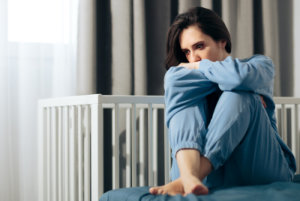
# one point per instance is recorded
(86, 48)
(131, 37)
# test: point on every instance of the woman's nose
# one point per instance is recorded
(195, 57)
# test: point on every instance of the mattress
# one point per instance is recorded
(278, 191)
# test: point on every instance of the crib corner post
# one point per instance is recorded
(41, 151)
(97, 152)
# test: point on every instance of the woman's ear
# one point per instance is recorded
(222, 43)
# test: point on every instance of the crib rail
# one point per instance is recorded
(287, 114)
(71, 144)
(89, 144)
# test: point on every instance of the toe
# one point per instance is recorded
(160, 191)
(200, 190)
(153, 190)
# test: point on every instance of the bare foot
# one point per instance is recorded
(181, 186)
(172, 188)
(192, 184)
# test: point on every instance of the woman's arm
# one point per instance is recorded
(184, 88)
(253, 74)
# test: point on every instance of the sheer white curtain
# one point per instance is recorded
(38, 59)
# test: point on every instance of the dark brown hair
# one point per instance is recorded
(209, 23)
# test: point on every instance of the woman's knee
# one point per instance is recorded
(238, 100)
(235, 105)
(237, 97)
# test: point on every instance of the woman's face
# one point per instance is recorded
(197, 46)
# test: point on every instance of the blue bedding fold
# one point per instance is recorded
(278, 191)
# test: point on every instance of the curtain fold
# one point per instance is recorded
(238, 17)
(271, 38)
(86, 51)
(157, 23)
(138, 35)
(207, 4)
(286, 50)
(184, 5)
(140, 52)
(122, 46)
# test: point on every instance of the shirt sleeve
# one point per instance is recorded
(254, 74)
(183, 88)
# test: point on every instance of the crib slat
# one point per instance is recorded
(66, 189)
(276, 115)
(283, 123)
(80, 154)
(297, 137)
(87, 154)
(73, 154)
(55, 153)
(115, 145)
(48, 136)
(76, 156)
(128, 148)
(134, 146)
(60, 152)
(142, 160)
(53, 159)
(150, 147)
(97, 185)
(42, 126)
(167, 157)
(293, 130)
(155, 146)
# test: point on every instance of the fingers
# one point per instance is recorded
(263, 102)
(193, 65)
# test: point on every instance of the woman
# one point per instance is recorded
(233, 142)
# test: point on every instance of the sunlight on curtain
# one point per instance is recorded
(38, 59)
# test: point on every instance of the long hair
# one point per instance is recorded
(209, 23)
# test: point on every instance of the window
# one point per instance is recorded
(39, 21)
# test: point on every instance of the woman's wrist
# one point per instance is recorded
(193, 65)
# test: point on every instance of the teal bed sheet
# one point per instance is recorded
(278, 191)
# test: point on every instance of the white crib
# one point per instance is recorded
(90, 144)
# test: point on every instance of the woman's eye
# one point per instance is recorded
(186, 52)
(199, 46)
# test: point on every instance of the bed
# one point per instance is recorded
(279, 191)
(115, 147)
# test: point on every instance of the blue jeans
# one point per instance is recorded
(239, 141)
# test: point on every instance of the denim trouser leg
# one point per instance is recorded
(241, 144)
(187, 129)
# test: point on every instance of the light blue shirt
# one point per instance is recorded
(186, 87)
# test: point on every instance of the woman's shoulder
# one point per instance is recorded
(258, 60)
(256, 57)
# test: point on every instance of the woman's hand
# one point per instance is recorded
(193, 65)
(263, 101)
